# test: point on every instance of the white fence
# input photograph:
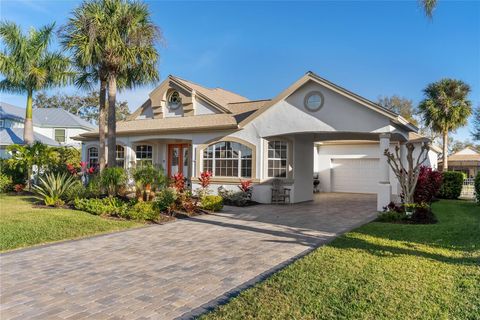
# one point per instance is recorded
(468, 189)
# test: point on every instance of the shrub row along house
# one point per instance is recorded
(51, 126)
(314, 128)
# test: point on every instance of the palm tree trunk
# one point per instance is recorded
(28, 124)
(445, 151)
(101, 123)
(112, 126)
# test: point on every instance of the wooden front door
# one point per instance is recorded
(178, 159)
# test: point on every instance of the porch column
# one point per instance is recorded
(302, 168)
(384, 187)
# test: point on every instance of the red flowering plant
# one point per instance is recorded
(428, 185)
(245, 185)
(71, 168)
(178, 181)
(18, 187)
(205, 180)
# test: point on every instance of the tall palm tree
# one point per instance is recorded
(445, 109)
(28, 66)
(113, 41)
(81, 35)
(476, 124)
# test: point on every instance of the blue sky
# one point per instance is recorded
(259, 48)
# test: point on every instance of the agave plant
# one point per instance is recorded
(53, 187)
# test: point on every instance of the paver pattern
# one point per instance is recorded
(177, 270)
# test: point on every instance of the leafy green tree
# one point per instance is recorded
(84, 106)
(28, 65)
(445, 109)
(113, 41)
(24, 157)
(400, 105)
(476, 124)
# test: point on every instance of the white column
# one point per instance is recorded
(384, 188)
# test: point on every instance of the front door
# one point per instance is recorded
(178, 159)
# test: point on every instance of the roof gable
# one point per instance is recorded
(310, 76)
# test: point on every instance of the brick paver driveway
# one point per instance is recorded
(175, 270)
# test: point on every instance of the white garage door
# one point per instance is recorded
(355, 175)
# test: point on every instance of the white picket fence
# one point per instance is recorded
(468, 189)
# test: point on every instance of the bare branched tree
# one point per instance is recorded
(407, 177)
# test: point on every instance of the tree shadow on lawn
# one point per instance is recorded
(387, 251)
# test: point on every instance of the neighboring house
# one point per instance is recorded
(54, 127)
(314, 127)
(466, 160)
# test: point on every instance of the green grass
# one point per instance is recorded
(379, 271)
(22, 225)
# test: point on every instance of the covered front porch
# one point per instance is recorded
(348, 162)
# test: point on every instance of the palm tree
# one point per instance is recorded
(28, 66)
(445, 109)
(476, 124)
(81, 35)
(428, 6)
(114, 41)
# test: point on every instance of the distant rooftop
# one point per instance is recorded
(10, 136)
(45, 117)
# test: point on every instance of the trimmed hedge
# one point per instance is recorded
(212, 203)
(452, 185)
(477, 186)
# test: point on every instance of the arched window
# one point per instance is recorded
(120, 156)
(92, 156)
(228, 159)
(144, 155)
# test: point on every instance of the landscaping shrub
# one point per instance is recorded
(423, 214)
(451, 185)
(141, 211)
(391, 216)
(178, 182)
(233, 198)
(113, 179)
(212, 203)
(428, 185)
(477, 187)
(165, 200)
(148, 178)
(204, 179)
(52, 188)
(94, 187)
(13, 170)
(106, 206)
(187, 203)
(76, 190)
(6, 183)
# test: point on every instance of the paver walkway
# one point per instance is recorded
(170, 271)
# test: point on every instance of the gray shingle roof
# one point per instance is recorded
(45, 117)
(10, 136)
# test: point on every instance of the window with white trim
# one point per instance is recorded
(120, 156)
(60, 135)
(277, 159)
(92, 156)
(228, 159)
(144, 155)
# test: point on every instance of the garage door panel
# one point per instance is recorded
(355, 175)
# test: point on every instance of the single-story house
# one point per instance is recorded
(466, 160)
(312, 128)
(51, 126)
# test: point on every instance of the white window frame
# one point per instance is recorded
(2, 123)
(64, 135)
(277, 159)
(89, 157)
(142, 160)
(116, 154)
(239, 160)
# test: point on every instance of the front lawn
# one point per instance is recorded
(22, 225)
(379, 271)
